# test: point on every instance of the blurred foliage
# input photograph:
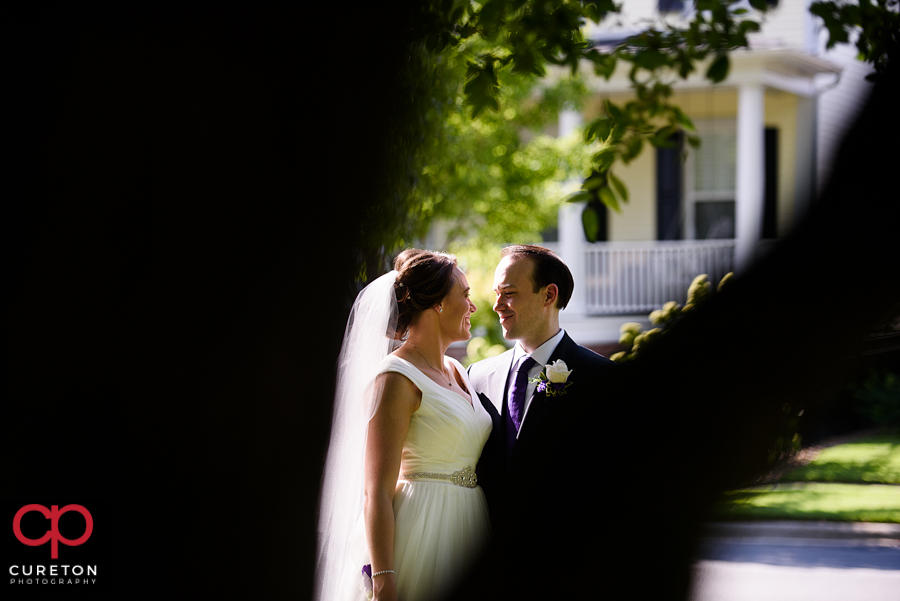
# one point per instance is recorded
(635, 340)
(498, 177)
(479, 261)
(469, 71)
(873, 27)
(526, 38)
(454, 139)
(481, 348)
(878, 397)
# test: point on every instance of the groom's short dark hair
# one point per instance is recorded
(548, 269)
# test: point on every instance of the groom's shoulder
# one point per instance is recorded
(594, 359)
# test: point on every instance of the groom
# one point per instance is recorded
(531, 412)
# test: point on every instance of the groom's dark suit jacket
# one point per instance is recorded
(503, 475)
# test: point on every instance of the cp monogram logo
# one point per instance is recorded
(53, 534)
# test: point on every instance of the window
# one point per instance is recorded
(680, 6)
(710, 182)
(671, 6)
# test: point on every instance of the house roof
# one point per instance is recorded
(784, 68)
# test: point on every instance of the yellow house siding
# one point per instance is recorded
(781, 113)
(710, 103)
(637, 221)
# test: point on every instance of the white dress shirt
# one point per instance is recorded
(542, 356)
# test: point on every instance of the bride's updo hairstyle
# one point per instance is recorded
(424, 278)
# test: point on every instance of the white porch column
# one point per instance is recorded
(571, 250)
(750, 173)
(571, 231)
(569, 121)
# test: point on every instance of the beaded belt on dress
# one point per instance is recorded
(465, 477)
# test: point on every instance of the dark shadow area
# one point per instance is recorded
(180, 195)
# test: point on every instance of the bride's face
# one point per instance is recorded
(456, 309)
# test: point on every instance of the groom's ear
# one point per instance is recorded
(551, 293)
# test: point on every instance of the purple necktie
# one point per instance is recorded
(517, 399)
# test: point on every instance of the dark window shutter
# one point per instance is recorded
(668, 6)
(601, 211)
(770, 210)
(668, 191)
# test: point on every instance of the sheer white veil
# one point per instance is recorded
(366, 343)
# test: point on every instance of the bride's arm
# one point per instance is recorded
(398, 400)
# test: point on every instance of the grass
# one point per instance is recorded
(870, 460)
(858, 481)
(815, 501)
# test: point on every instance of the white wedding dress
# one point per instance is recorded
(438, 526)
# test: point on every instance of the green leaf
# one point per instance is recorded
(597, 179)
(580, 196)
(481, 87)
(609, 199)
(591, 223)
(597, 129)
(821, 9)
(633, 146)
(467, 31)
(618, 186)
(718, 70)
(615, 113)
(683, 120)
(663, 137)
(491, 15)
(650, 59)
(604, 158)
(749, 26)
(604, 64)
(527, 61)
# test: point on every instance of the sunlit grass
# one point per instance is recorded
(874, 459)
(815, 501)
(854, 482)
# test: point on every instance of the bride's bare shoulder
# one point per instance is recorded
(397, 389)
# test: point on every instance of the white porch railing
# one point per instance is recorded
(638, 277)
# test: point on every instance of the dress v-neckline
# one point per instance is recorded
(470, 402)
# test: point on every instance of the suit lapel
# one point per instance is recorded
(565, 350)
(497, 381)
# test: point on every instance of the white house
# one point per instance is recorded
(768, 134)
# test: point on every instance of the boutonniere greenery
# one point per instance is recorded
(553, 380)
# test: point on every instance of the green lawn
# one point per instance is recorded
(858, 481)
(815, 501)
(873, 459)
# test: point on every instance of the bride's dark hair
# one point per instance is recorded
(424, 278)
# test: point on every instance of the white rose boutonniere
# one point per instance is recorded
(554, 379)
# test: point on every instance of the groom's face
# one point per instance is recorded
(522, 311)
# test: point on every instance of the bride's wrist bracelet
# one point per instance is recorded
(382, 572)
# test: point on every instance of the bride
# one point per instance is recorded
(399, 494)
